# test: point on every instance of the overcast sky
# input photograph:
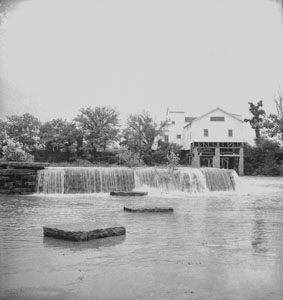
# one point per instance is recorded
(57, 56)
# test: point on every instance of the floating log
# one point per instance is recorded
(83, 231)
(120, 193)
(149, 209)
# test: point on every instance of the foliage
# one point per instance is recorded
(25, 130)
(60, 136)
(274, 122)
(13, 151)
(3, 135)
(160, 155)
(130, 159)
(141, 133)
(173, 161)
(100, 127)
(266, 158)
(257, 121)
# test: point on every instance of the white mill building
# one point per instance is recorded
(214, 139)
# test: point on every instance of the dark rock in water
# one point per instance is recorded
(149, 209)
(120, 193)
(83, 231)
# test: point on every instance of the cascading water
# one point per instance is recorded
(70, 180)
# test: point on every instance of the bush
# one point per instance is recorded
(266, 158)
(13, 151)
(130, 159)
(173, 161)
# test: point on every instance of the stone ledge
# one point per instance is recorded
(120, 193)
(83, 231)
(22, 165)
(12, 172)
(149, 209)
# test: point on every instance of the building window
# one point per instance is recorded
(205, 132)
(217, 119)
(187, 119)
(173, 122)
(178, 136)
(230, 132)
(166, 138)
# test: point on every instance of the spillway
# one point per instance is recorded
(70, 180)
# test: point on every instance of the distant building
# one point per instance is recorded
(214, 139)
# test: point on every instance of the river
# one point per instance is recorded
(217, 245)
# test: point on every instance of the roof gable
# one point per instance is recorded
(221, 110)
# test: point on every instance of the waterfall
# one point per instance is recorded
(71, 180)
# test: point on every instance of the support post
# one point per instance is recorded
(196, 158)
(216, 158)
(241, 162)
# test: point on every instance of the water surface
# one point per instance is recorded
(225, 245)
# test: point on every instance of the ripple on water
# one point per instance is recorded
(228, 240)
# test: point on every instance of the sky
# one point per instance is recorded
(57, 56)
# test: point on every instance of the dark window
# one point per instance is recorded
(205, 132)
(187, 119)
(230, 132)
(173, 122)
(217, 119)
(166, 138)
(178, 136)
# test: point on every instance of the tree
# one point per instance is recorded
(266, 158)
(3, 134)
(160, 155)
(257, 121)
(24, 129)
(130, 159)
(141, 133)
(13, 151)
(99, 126)
(59, 135)
(274, 122)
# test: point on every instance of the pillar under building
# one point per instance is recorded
(216, 158)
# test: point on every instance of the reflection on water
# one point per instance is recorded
(78, 246)
(214, 246)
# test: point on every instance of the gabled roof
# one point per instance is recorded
(234, 116)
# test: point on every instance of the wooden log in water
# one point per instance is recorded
(121, 193)
(83, 231)
(149, 209)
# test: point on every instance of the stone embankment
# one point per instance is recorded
(19, 177)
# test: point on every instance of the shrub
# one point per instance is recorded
(13, 151)
(130, 159)
(173, 161)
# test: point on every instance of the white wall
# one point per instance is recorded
(177, 128)
(217, 130)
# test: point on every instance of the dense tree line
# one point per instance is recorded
(90, 135)
(266, 156)
(87, 138)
